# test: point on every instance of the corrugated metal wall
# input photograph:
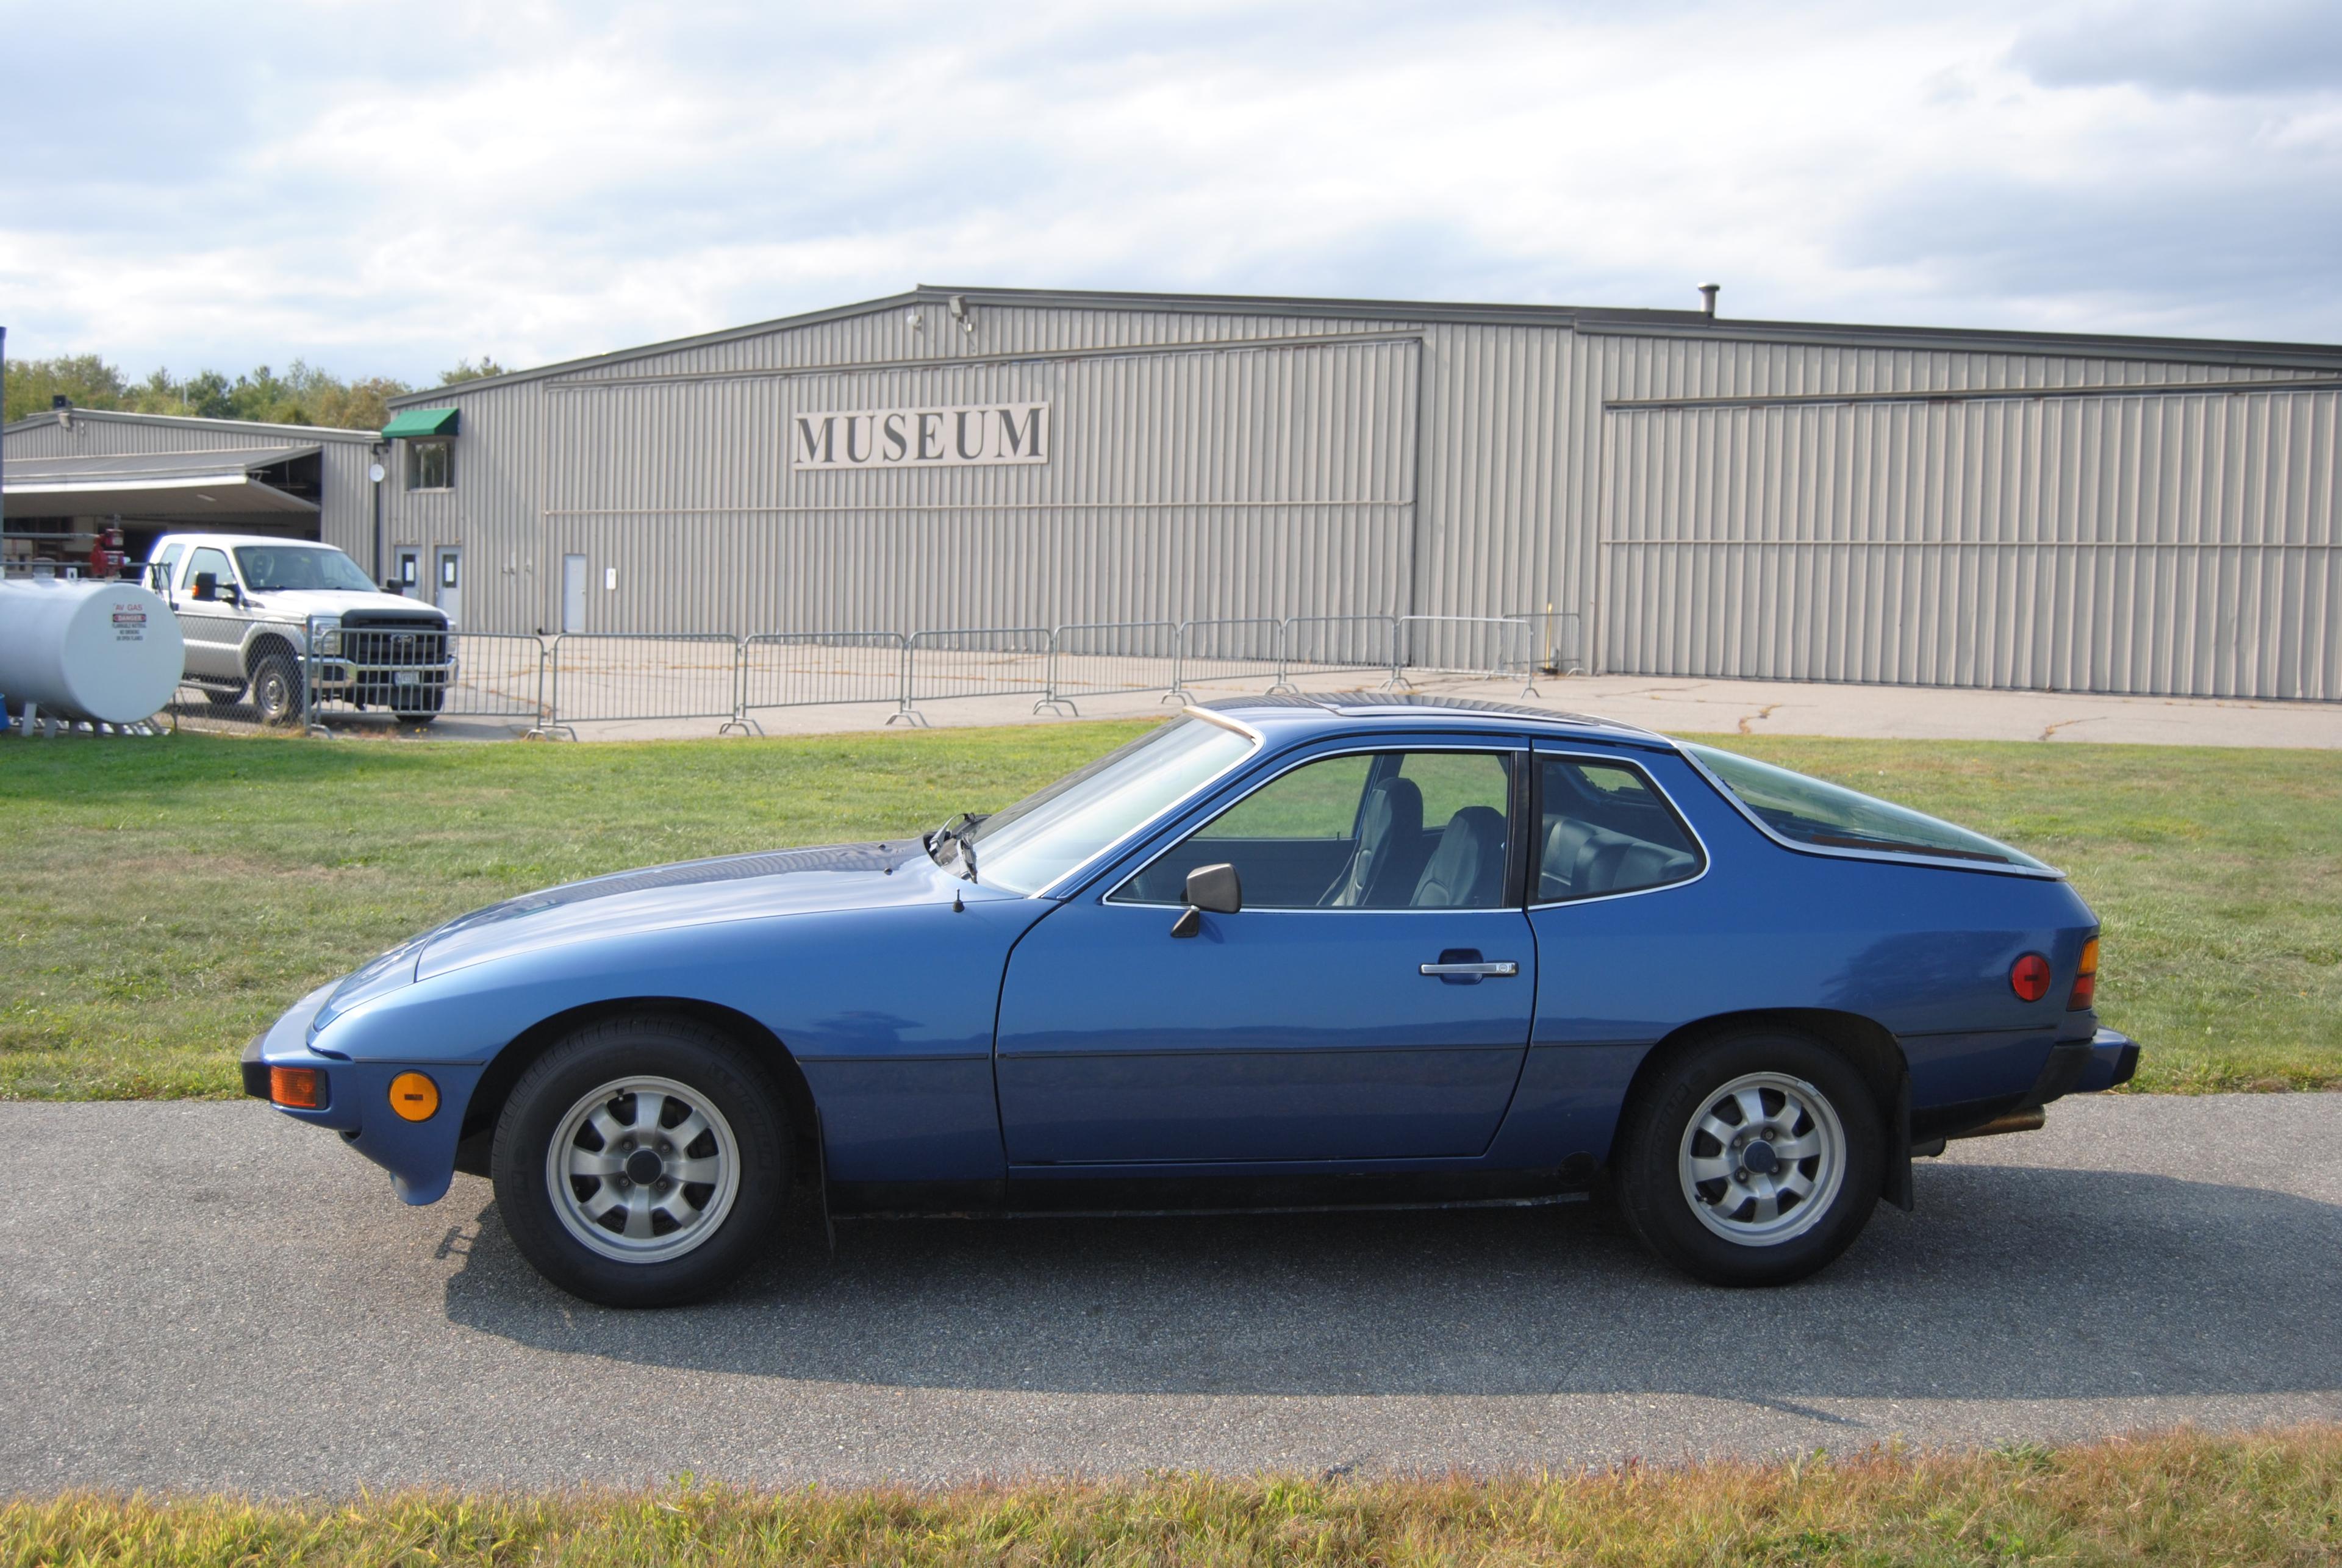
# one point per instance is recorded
(2170, 543)
(1207, 464)
(1219, 482)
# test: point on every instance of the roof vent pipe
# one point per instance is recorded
(1708, 293)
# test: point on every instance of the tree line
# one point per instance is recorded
(302, 395)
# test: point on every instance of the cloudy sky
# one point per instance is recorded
(387, 189)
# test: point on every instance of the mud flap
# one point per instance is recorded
(1894, 1182)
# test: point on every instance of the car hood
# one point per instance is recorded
(833, 877)
(290, 603)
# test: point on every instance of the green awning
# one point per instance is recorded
(421, 422)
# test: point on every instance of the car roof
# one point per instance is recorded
(275, 539)
(1328, 709)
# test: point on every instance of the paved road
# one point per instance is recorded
(203, 1296)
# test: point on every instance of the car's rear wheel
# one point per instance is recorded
(642, 1161)
(1753, 1159)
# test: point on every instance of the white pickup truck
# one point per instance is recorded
(246, 604)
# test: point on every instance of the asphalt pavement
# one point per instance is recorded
(208, 1296)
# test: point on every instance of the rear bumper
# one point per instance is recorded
(2113, 1059)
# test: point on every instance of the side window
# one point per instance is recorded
(212, 562)
(1387, 830)
(1604, 829)
(430, 465)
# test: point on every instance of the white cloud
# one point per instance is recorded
(393, 190)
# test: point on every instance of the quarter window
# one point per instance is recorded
(1832, 818)
(1382, 830)
(430, 465)
(1603, 829)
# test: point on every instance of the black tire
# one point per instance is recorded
(1742, 1244)
(276, 689)
(223, 699)
(714, 1074)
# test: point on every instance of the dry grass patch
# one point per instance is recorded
(2269, 1498)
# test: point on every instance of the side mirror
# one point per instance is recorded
(206, 586)
(1217, 888)
(390, 585)
(231, 592)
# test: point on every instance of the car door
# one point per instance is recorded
(212, 628)
(1371, 1000)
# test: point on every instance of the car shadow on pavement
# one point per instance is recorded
(2008, 1282)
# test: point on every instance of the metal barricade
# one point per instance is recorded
(805, 669)
(1559, 650)
(981, 662)
(1097, 657)
(597, 677)
(1312, 647)
(1492, 647)
(497, 675)
(1213, 652)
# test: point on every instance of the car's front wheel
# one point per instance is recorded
(1754, 1159)
(642, 1161)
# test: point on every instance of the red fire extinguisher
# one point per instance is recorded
(106, 558)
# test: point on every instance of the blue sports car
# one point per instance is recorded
(1278, 953)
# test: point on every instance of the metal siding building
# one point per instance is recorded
(68, 472)
(1707, 496)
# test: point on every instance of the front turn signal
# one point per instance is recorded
(413, 1096)
(297, 1088)
(2086, 980)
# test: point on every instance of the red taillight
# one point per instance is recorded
(300, 1088)
(2086, 981)
(2029, 977)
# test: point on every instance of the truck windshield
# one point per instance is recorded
(289, 567)
(1026, 846)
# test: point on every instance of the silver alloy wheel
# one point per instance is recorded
(1763, 1160)
(642, 1169)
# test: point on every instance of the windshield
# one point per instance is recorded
(1026, 846)
(293, 566)
(1828, 816)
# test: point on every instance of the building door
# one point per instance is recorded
(409, 574)
(572, 593)
(450, 576)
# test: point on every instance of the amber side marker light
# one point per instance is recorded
(413, 1096)
(2086, 983)
(300, 1088)
(2029, 977)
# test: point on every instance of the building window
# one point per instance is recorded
(431, 464)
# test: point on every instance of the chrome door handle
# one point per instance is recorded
(1498, 970)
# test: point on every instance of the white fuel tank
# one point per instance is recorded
(109, 652)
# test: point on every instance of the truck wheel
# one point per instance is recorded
(277, 690)
(642, 1161)
(1755, 1160)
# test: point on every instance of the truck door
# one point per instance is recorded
(212, 627)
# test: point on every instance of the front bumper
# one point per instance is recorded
(419, 1155)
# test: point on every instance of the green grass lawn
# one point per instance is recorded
(161, 900)
(2178, 1498)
